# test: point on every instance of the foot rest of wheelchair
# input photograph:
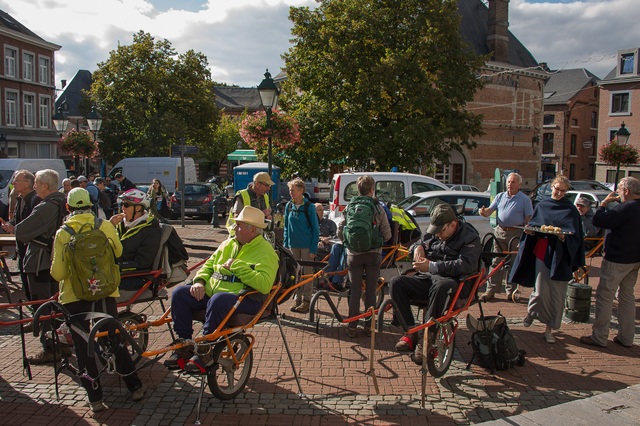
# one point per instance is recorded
(236, 320)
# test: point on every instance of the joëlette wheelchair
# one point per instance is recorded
(439, 343)
(392, 254)
(230, 344)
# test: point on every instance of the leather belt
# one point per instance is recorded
(229, 278)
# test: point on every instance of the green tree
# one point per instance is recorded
(380, 83)
(150, 97)
(226, 138)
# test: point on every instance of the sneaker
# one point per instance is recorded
(588, 340)
(618, 341)
(487, 295)
(179, 357)
(407, 343)
(28, 327)
(548, 337)
(46, 356)
(351, 332)
(302, 308)
(527, 321)
(98, 406)
(199, 362)
(296, 305)
(138, 394)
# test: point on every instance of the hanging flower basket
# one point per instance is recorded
(615, 154)
(284, 131)
(79, 144)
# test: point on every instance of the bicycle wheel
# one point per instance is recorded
(226, 377)
(141, 336)
(440, 351)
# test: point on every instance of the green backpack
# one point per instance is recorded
(94, 272)
(361, 230)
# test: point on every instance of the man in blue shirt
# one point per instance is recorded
(514, 209)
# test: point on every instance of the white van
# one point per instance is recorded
(142, 170)
(390, 188)
(8, 166)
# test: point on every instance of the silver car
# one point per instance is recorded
(468, 203)
(595, 197)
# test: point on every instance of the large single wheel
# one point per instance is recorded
(141, 336)
(440, 351)
(227, 377)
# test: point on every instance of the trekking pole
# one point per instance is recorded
(372, 370)
(26, 367)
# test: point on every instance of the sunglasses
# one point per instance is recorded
(126, 205)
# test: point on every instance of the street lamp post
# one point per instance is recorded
(623, 138)
(94, 120)
(269, 101)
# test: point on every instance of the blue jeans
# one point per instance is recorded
(184, 305)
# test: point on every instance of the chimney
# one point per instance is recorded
(64, 83)
(498, 36)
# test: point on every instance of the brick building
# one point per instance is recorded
(620, 103)
(27, 92)
(511, 101)
(570, 126)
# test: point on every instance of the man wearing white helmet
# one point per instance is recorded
(140, 234)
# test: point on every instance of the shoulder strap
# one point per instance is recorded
(307, 203)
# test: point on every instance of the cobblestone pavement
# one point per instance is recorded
(335, 374)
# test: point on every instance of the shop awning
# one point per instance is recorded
(242, 155)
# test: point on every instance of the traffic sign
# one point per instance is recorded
(188, 150)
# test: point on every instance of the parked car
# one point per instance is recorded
(462, 187)
(595, 197)
(544, 189)
(468, 204)
(390, 188)
(199, 200)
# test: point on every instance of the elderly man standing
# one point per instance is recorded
(246, 260)
(514, 209)
(38, 231)
(620, 265)
(255, 195)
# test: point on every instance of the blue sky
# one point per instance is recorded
(241, 38)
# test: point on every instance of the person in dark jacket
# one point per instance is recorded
(546, 261)
(448, 253)
(37, 232)
(125, 184)
(140, 236)
(27, 199)
(619, 271)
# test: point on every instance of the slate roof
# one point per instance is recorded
(73, 93)
(237, 99)
(474, 28)
(565, 84)
(8, 22)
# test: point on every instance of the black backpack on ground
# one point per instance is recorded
(493, 343)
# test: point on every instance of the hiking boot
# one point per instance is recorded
(46, 356)
(487, 295)
(179, 357)
(302, 308)
(296, 305)
(138, 394)
(98, 406)
(202, 360)
(407, 343)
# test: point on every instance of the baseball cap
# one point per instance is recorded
(263, 177)
(82, 178)
(78, 198)
(582, 201)
(440, 216)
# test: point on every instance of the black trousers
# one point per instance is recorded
(124, 363)
(436, 290)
